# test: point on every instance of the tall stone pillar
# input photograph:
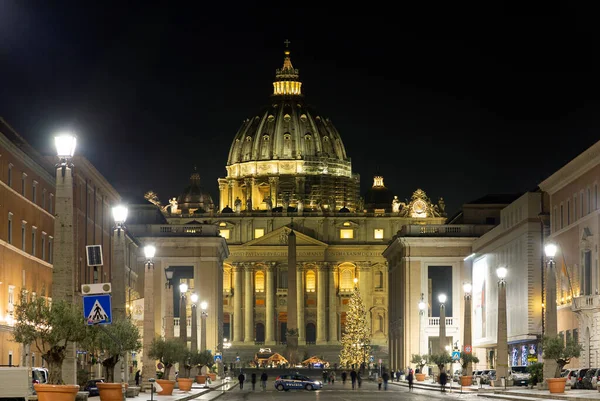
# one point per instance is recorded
(248, 307)
(63, 274)
(467, 327)
(274, 186)
(231, 198)
(223, 196)
(148, 367)
(118, 276)
(502, 338)
(321, 307)
(300, 303)
(333, 315)
(270, 308)
(292, 307)
(442, 344)
(169, 313)
(237, 305)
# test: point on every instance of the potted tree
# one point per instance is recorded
(52, 329)
(441, 360)
(202, 360)
(168, 352)
(183, 380)
(420, 361)
(555, 348)
(536, 372)
(112, 342)
(465, 359)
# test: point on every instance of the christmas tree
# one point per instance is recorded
(356, 339)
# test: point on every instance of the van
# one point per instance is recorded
(39, 375)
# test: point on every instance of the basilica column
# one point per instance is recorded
(333, 315)
(321, 304)
(230, 197)
(223, 195)
(274, 185)
(249, 187)
(248, 306)
(300, 303)
(169, 318)
(270, 307)
(237, 305)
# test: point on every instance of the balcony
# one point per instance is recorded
(432, 326)
(443, 230)
(586, 303)
(435, 321)
(177, 327)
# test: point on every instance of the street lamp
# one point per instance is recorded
(422, 306)
(65, 149)
(148, 370)
(169, 276)
(119, 213)
(194, 299)
(502, 336)
(204, 315)
(467, 288)
(442, 335)
(550, 326)
(183, 287)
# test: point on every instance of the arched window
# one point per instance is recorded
(259, 281)
(287, 145)
(346, 280)
(247, 148)
(264, 149)
(379, 280)
(311, 282)
(227, 279)
(379, 323)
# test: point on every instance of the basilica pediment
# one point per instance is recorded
(279, 237)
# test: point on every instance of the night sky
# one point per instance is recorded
(460, 102)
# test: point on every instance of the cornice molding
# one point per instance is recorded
(572, 170)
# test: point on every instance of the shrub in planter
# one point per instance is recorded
(168, 352)
(536, 373)
(555, 348)
(466, 359)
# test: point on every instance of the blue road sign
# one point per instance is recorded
(455, 355)
(237, 358)
(97, 309)
(371, 358)
(218, 358)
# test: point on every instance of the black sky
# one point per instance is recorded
(460, 102)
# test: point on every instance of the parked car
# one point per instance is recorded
(477, 373)
(39, 375)
(92, 386)
(296, 382)
(586, 382)
(572, 377)
(488, 375)
(596, 379)
(579, 378)
(519, 375)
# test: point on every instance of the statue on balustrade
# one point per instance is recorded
(237, 205)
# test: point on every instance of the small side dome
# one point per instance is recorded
(344, 210)
(227, 209)
(378, 196)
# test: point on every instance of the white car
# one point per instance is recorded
(572, 377)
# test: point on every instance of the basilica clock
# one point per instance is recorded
(419, 208)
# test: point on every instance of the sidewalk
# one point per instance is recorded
(216, 389)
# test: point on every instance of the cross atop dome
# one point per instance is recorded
(286, 78)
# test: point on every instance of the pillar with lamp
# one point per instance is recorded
(422, 306)
(442, 334)
(194, 339)
(502, 335)
(203, 306)
(63, 272)
(467, 347)
(149, 333)
(550, 324)
(183, 287)
(118, 279)
(169, 314)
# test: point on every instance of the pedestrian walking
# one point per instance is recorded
(137, 378)
(359, 379)
(241, 379)
(386, 378)
(379, 382)
(344, 376)
(325, 377)
(399, 374)
(353, 378)
(263, 380)
(332, 377)
(253, 381)
(443, 379)
(410, 379)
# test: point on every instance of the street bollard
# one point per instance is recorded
(151, 380)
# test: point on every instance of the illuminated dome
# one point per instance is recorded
(193, 198)
(287, 131)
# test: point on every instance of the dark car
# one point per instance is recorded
(92, 387)
(579, 379)
(586, 382)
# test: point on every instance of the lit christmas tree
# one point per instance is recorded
(356, 340)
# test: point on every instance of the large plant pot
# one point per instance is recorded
(201, 379)
(55, 392)
(167, 386)
(420, 377)
(185, 384)
(557, 385)
(466, 380)
(110, 391)
(213, 376)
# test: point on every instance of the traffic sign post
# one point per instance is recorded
(456, 356)
(218, 358)
(467, 349)
(97, 309)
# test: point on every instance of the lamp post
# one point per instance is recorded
(194, 299)
(442, 335)
(183, 287)
(169, 320)
(148, 369)
(502, 336)
(550, 327)
(204, 315)
(63, 273)
(118, 278)
(422, 306)
(467, 348)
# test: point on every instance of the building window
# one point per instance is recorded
(224, 233)
(33, 235)
(554, 219)
(226, 280)
(259, 232)
(346, 280)
(378, 233)
(575, 216)
(346, 233)
(34, 192)
(311, 281)
(589, 200)
(9, 178)
(51, 205)
(379, 280)
(23, 233)
(562, 220)
(44, 199)
(23, 182)
(43, 245)
(568, 211)
(50, 256)
(581, 210)
(259, 281)
(595, 196)
(11, 298)
(9, 238)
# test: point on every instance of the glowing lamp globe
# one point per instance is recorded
(183, 287)
(149, 251)
(550, 250)
(119, 214)
(204, 305)
(194, 298)
(467, 287)
(65, 145)
(442, 298)
(501, 272)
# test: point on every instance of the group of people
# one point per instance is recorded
(263, 380)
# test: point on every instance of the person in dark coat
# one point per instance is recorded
(241, 378)
(137, 378)
(386, 377)
(263, 380)
(253, 381)
(443, 379)
(410, 379)
(353, 378)
(344, 376)
(359, 379)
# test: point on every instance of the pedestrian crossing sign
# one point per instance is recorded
(455, 355)
(97, 309)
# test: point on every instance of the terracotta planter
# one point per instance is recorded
(466, 380)
(420, 377)
(557, 385)
(201, 379)
(167, 385)
(185, 384)
(54, 392)
(213, 376)
(110, 391)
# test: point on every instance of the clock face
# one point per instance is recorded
(419, 207)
